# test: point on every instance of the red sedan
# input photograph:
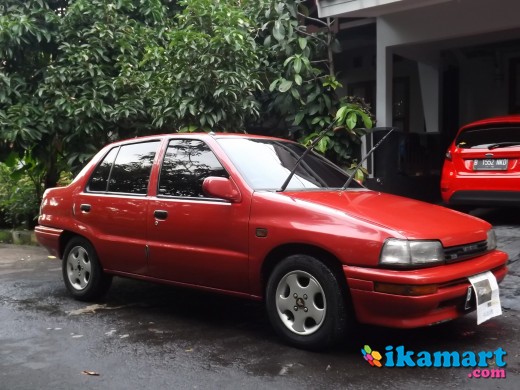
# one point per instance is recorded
(221, 212)
(482, 165)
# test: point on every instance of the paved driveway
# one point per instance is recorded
(158, 337)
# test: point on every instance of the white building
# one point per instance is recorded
(429, 66)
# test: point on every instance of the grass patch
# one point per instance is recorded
(19, 237)
(6, 237)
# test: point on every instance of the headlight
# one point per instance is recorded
(491, 240)
(398, 252)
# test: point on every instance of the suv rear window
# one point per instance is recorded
(485, 137)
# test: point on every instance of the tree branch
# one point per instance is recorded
(314, 19)
(310, 35)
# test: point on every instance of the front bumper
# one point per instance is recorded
(403, 311)
(488, 198)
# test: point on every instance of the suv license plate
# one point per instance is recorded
(490, 164)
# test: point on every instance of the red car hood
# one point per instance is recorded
(411, 218)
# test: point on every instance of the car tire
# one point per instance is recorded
(82, 273)
(306, 303)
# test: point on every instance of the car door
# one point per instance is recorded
(113, 206)
(195, 239)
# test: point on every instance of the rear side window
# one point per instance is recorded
(99, 179)
(125, 169)
(186, 164)
(488, 136)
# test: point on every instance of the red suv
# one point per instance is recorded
(482, 165)
(221, 212)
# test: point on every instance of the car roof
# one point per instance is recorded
(199, 135)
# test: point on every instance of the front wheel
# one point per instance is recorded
(82, 273)
(305, 303)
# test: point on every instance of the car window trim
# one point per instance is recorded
(126, 194)
(193, 199)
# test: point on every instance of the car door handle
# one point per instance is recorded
(84, 207)
(160, 214)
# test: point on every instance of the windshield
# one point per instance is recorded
(266, 164)
(485, 137)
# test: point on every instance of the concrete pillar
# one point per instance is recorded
(430, 84)
(384, 84)
(384, 77)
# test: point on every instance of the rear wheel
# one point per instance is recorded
(305, 303)
(82, 273)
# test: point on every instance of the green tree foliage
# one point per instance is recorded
(206, 76)
(302, 91)
(94, 88)
(19, 199)
(28, 42)
(76, 74)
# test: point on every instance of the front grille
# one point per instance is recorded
(462, 252)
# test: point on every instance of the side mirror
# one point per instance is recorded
(221, 187)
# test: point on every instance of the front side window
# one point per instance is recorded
(186, 164)
(125, 169)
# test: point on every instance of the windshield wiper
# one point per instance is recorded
(347, 183)
(501, 144)
(305, 153)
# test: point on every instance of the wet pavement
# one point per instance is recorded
(158, 337)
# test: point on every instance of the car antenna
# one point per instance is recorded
(306, 152)
(349, 180)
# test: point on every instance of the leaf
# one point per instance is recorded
(299, 117)
(341, 114)
(322, 144)
(367, 122)
(272, 86)
(288, 60)
(328, 102)
(285, 86)
(12, 160)
(302, 42)
(297, 65)
(311, 97)
(298, 79)
(359, 176)
(278, 31)
(351, 120)
(88, 372)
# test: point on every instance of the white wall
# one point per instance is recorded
(423, 32)
(453, 19)
(367, 8)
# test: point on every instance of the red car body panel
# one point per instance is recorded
(461, 184)
(413, 311)
(224, 246)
